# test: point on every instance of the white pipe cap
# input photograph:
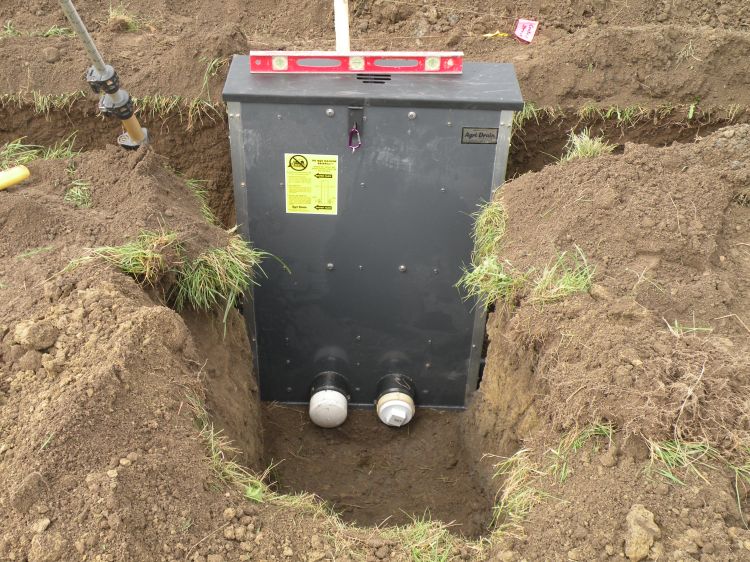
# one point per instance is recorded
(395, 409)
(328, 408)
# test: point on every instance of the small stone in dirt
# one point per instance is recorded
(51, 54)
(382, 552)
(28, 492)
(112, 473)
(641, 532)
(36, 335)
(132, 457)
(287, 552)
(40, 525)
(48, 547)
(124, 462)
(229, 514)
(229, 532)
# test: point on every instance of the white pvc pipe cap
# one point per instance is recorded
(328, 408)
(395, 409)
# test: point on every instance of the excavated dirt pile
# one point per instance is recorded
(99, 453)
(658, 347)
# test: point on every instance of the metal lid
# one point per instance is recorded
(481, 86)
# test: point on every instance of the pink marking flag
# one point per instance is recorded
(526, 29)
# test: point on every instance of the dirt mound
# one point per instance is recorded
(658, 347)
(94, 372)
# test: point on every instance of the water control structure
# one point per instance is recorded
(363, 185)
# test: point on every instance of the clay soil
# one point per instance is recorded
(100, 455)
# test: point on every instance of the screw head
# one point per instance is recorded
(329, 266)
(330, 112)
(402, 268)
(412, 115)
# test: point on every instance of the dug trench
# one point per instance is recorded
(104, 377)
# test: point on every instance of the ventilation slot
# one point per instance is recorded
(374, 78)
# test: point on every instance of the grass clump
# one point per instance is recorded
(221, 455)
(197, 187)
(565, 276)
(57, 31)
(9, 30)
(680, 330)
(582, 145)
(79, 194)
(742, 197)
(491, 281)
(143, 258)
(574, 442)
(677, 454)
(218, 276)
(120, 19)
(16, 153)
(490, 226)
(425, 540)
(518, 494)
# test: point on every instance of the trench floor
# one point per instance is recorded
(373, 474)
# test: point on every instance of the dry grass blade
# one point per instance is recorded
(565, 276)
(518, 495)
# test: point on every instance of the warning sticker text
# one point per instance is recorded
(312, 183)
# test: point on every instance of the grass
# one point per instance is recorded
(425, 540)
(677, 454)
(741, 479)
(9, 30)
(492, 281)
(218, 276)
(574, 442)
(221, 455)
(16, 153)
(567, 275)
(33, 252)
(518, 494)
(197, 187)
(79, 194)
(57, 31)
(143, 258)
(679, 330)
(742, 197)
(490, 226)
(158, 105)
(582, 145)
(119, 16)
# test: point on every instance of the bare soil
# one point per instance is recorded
(100, 458)
(373, 474)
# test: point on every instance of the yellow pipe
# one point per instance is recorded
(12, 176)
(134, 130)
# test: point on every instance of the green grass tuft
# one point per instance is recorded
(221, 455)
(143, 258)
(16, 153)
(492, 281)
(425, 540)
(582, 145)
(677, 454)
(218, 276)
(196, 186)
(574, 442)
(79, 194)
(490, 226)
(9, 30)
(564, 277)
(57, 31)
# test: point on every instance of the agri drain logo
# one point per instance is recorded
(298, 163)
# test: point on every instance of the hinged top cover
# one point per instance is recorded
(481, 86)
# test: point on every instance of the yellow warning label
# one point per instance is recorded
(312, 182)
